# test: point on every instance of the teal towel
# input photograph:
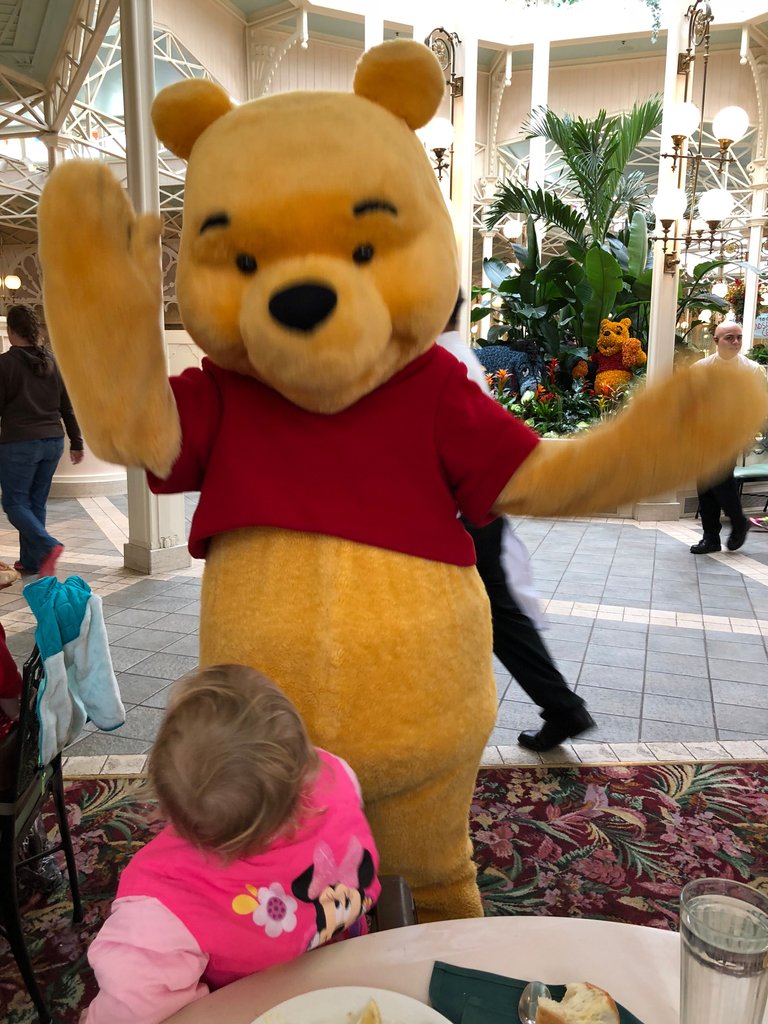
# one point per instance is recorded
(465, 996)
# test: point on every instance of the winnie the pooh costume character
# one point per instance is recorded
(332, 441)
(616, 354)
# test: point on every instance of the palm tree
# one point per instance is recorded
(595, 154)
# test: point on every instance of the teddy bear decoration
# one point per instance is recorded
(614, 358)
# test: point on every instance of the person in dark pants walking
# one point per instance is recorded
(518, 645)
(33, 404)
(517, 642)
(723, 495)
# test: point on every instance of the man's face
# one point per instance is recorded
(728, 340)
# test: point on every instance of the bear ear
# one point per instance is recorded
(626, 322)
(404, 77)
(181, 113)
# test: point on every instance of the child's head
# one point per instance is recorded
(231, 761)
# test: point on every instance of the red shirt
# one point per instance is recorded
(606, 363)
(391, 471)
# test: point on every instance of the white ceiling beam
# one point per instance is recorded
(82, 44)
(20, 76)
(270, 15)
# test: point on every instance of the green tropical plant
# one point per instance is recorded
(595, 153)
(559, 406)
(529, 300)
(607, 275)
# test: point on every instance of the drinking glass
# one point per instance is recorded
(724, 953)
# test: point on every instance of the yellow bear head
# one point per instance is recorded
(613, 334)
(317, 252)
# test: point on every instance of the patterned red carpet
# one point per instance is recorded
(614, 842)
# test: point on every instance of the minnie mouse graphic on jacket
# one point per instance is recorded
(185, 923)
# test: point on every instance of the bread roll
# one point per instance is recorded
(8, 575)
(582, 1004)
(370, 1014)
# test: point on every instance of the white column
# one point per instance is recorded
(537, 152)
(56, 148)
(157, 529)
(463, 180)
(663, 312)
(488, 237)
(759, 169)
(374, 30)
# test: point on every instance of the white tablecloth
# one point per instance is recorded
(638, 966)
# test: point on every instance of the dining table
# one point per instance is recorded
(639, 966)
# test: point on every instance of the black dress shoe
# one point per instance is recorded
(706, 546)
(552, 734)
(738, 536)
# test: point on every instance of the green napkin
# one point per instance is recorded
(465, 996)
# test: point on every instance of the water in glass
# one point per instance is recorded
(724, 960)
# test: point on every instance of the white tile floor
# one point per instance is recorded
(668, 649)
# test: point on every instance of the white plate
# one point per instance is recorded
(344, 1005)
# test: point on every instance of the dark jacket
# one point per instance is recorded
(32, 407)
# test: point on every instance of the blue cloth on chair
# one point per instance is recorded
(79, 681)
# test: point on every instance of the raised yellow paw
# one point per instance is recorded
(632, 353)
(102, 290)
(91, 240)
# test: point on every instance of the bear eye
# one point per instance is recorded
(363, 254)
(246, 263)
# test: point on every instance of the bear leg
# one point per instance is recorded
(422, 835)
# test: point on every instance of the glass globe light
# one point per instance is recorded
(720, 288)
(670, 204)
(715, 205)
(705, 315)
(438, 134)
(683, 119)
(497, 302)
(699, 225)
(512, 229)
(730, 124)
(12, 282)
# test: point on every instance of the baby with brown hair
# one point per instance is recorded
(267, 852)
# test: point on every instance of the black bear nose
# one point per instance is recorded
(302, 306)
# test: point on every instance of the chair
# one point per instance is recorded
(25, 788)
(757, 472)
(394, 908)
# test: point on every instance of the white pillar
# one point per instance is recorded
(463, 173)
(56, 148)
(374, 30)
(663, 312)
(759, 169)
(539, 98)
(537, 151)
(488, 237)
(156, 525)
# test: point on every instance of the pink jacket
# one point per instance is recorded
(183, 923)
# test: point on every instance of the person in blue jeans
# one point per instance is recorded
(33, 405)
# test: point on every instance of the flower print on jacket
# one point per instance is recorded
(271, 907)
(336, 890)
